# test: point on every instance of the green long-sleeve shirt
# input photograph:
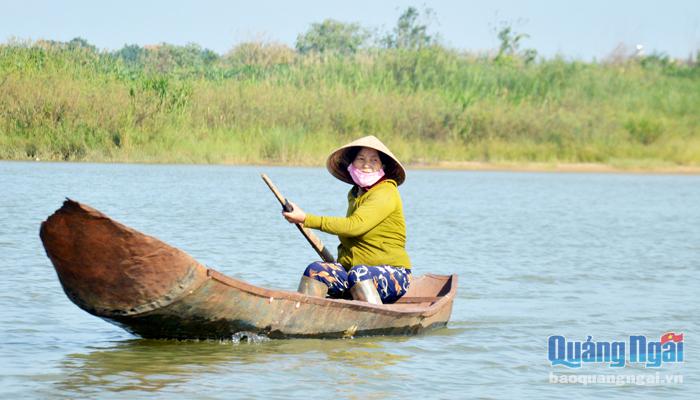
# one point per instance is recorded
(374, 230)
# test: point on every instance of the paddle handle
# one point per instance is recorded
(313, 240)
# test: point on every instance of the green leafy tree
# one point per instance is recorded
(411, 31)
(510, 45)
(332, 36)
(167, 57)
(80, 43)
(131, 53)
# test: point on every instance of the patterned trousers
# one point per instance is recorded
(391, 282)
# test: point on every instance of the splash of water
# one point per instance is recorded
(249, 337)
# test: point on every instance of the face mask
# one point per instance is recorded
(364, 179)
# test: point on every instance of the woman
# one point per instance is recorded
(372, 261)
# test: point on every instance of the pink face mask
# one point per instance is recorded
(364, 179)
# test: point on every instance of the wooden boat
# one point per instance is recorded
(157, 291)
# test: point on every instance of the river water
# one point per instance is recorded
(538, 254)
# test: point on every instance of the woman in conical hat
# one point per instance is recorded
(372, 261)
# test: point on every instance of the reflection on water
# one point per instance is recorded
(142, 365)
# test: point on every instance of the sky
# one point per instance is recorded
(572, 29)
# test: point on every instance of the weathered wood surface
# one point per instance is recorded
(157, 291)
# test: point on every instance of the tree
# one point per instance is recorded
(410, 31)
(130, 53)
(80, 43)
(167, 57)
(510, 45)
(332, 36)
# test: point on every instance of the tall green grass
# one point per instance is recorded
(270, 105)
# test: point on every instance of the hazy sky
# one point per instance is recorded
(575, 29)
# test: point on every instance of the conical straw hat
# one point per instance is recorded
(338, 161)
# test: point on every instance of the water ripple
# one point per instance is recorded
(536, 254)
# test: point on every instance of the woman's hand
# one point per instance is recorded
(296, 216)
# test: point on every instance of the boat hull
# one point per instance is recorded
(157, 291)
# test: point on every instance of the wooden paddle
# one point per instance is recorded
(314, 241)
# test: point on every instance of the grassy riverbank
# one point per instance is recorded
(269, 104)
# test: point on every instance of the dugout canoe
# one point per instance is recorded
(154, 290)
